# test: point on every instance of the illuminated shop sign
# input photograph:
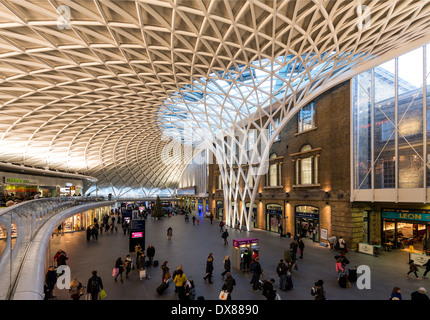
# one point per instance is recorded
(407, 215)
(20, 181)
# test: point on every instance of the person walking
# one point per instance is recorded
(268, 291)
(119, 267)
(225, 236)
(413, 268)
(150, 253)
(176, 272)
(318, 290)
(128, 262)
(281, 270)
(50, 281)
(339, 268)
(179, 281)
(221, 226)
(169, 233)
(227, 266)
(165, 276)
(75, 289)
(94, 286)
(301, 246)
(427, 265)
(143, 272)
(194, 220)
(209, 268)
(229, 283)
(256, 273)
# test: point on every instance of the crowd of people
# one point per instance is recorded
(143, 261)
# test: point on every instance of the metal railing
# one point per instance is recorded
(21, 223)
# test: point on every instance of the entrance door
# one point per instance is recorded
(307, 222)
(273, 217)
(273, 222)
(220, 210)
(308, 228)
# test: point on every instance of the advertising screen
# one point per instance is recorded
(136, 235)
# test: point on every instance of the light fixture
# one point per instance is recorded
(287, 195)
(327, 195)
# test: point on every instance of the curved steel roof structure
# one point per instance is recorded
(105, 87)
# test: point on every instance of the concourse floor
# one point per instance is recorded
(190, 246)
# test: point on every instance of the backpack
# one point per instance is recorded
(94, 284)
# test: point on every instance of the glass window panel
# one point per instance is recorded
(427, 71)
(306, 118)
(410, 119)
(306, 172)
(384, 120)
(273, 175)
(361, 91)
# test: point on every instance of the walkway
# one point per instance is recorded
(190, 247)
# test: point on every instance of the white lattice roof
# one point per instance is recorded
(92, 86)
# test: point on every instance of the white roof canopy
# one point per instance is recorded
(99, 87)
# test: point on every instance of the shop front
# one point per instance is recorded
(274, 214)
(405, 229)
(75, 223)
(48, 191)
(307, 222)
(20, 188)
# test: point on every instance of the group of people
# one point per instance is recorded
(93, 289)
(419, 294)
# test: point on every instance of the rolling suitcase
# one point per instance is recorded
(352, 274)
(162, 287)
(342, 280)
(155, 264)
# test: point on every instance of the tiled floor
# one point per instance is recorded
(190, 247)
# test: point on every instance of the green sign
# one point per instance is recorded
(19, 181)
(412, 216)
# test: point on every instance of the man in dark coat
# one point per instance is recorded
(268, 291)
(150, 253)
(50, 281)
(256, 273)
(281, 270)
(94, 286)
(420, 294)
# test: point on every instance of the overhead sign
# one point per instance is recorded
(407, 215)
(21, 181)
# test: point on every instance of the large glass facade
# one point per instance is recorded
(391, 123)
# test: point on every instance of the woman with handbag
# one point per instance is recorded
(119, 268)
(165, 276)
(76, 289)
(209, 268)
